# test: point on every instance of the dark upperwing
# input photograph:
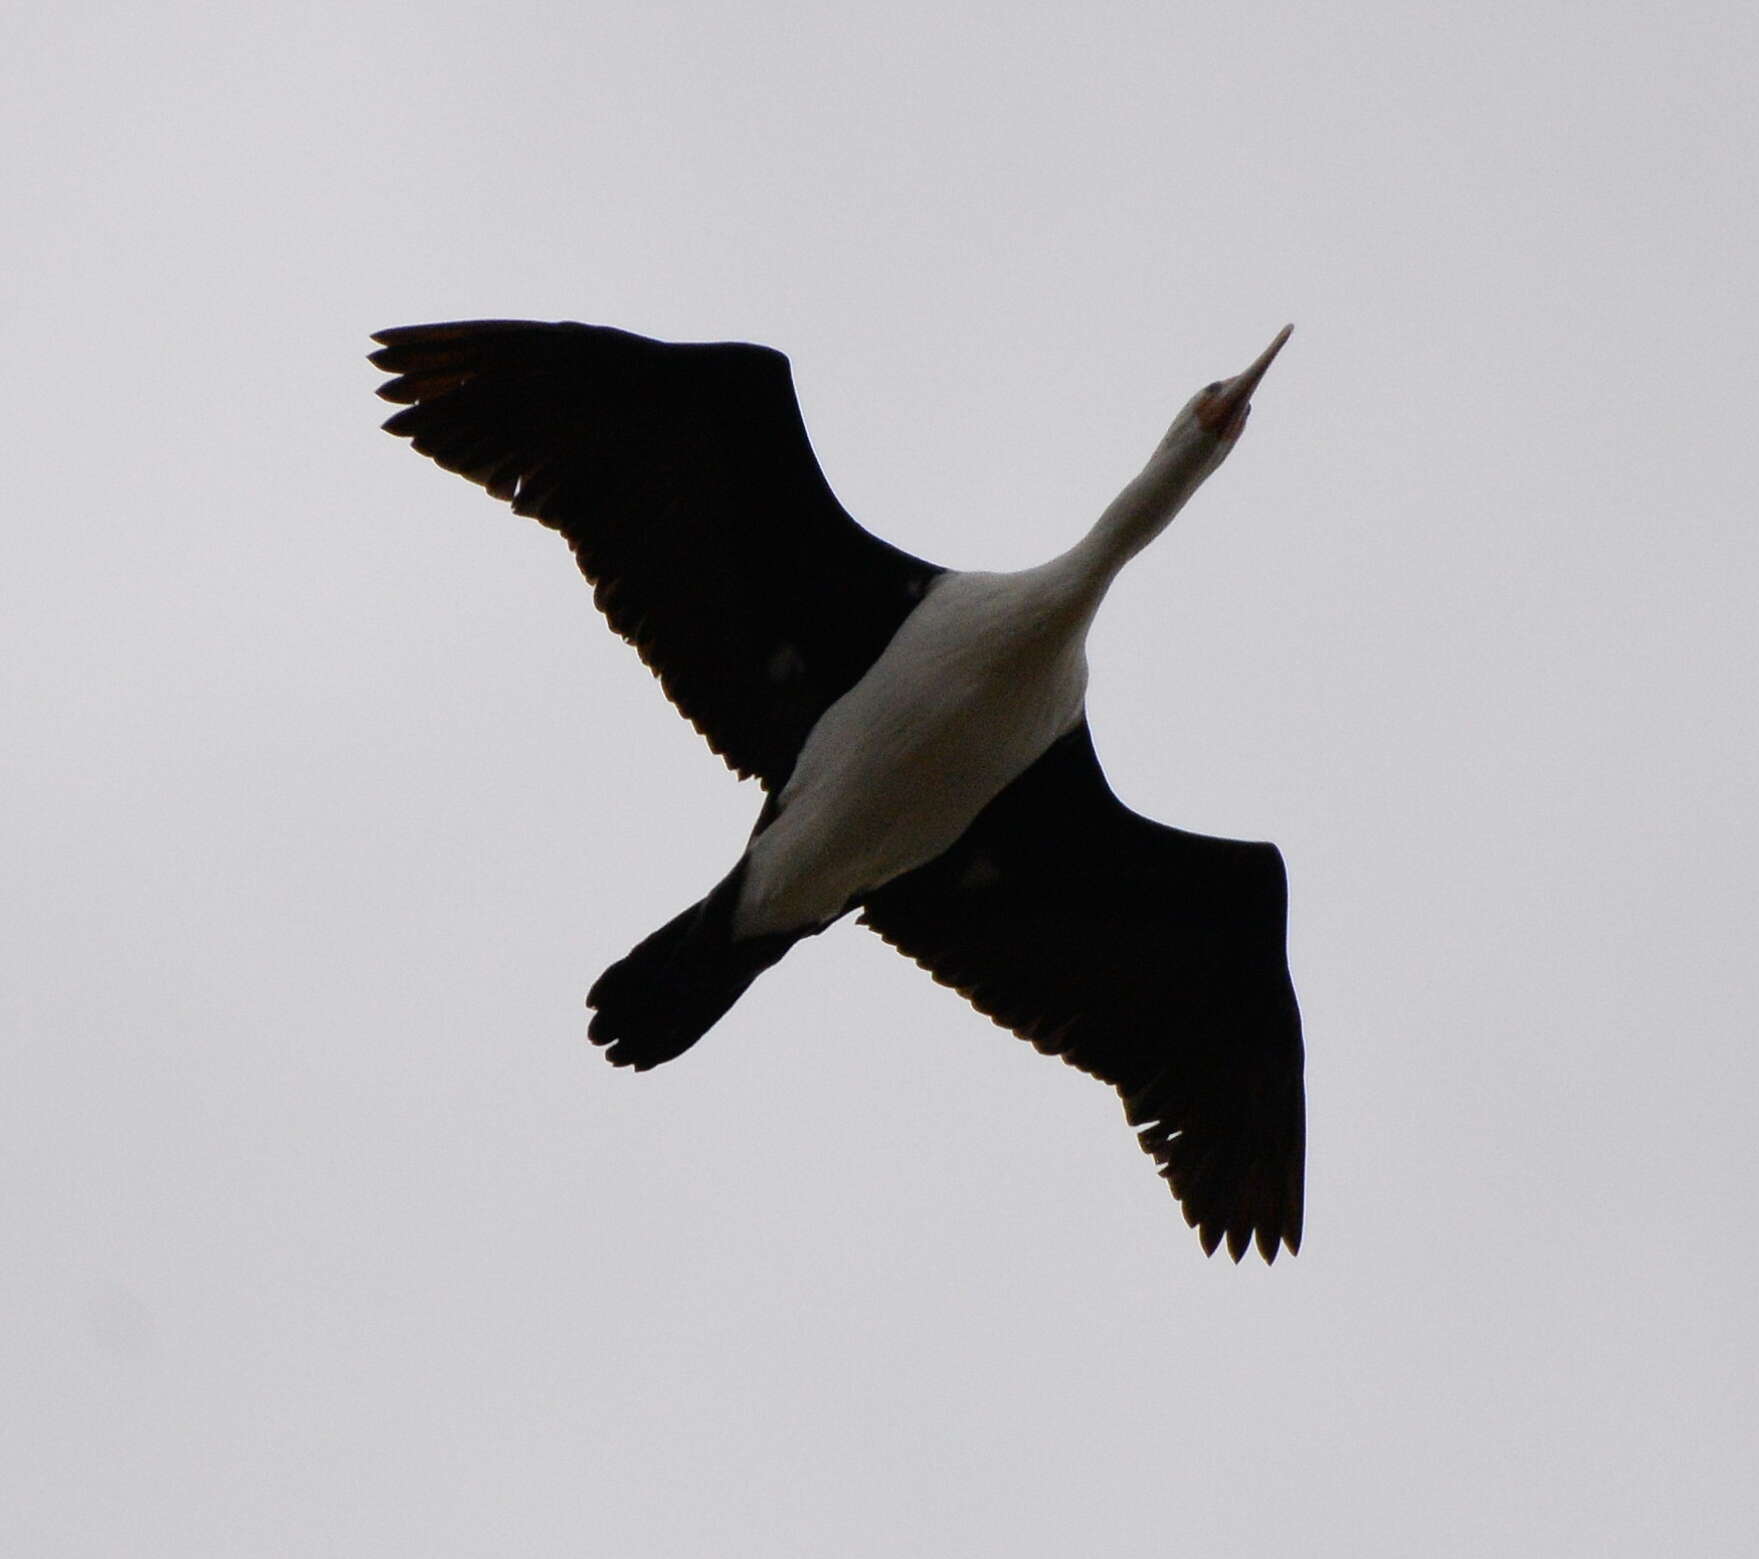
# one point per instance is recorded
(683, 479)
(1144, 955)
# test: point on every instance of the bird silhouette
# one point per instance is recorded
(919, 732)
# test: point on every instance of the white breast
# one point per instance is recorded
(981, 678)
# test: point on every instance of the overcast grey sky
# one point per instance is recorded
(329, 795)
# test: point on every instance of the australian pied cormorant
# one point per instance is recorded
(919, 732)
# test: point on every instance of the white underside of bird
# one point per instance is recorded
(979, 680)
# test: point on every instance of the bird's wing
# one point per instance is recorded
(1144, 955)
(682, 477)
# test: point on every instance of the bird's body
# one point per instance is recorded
(920, 733)
(977, 682)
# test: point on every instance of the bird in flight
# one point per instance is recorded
(919, 733)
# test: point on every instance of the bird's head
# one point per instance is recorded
(1221, 409)
(1202, 436)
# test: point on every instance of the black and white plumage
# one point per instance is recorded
(920, 734)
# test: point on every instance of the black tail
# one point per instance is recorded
(674, 986)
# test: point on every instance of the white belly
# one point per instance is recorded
(981, 678)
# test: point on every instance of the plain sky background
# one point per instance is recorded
(328, 794)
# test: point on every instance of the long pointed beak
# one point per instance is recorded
(1223, 410)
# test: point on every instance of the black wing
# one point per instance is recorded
(1144, 955)
(683, 479)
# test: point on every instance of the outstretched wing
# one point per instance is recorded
(683, 479)
(1144, 955)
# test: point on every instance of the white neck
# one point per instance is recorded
(1177, 468)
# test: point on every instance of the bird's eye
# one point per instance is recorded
(1210, 389)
